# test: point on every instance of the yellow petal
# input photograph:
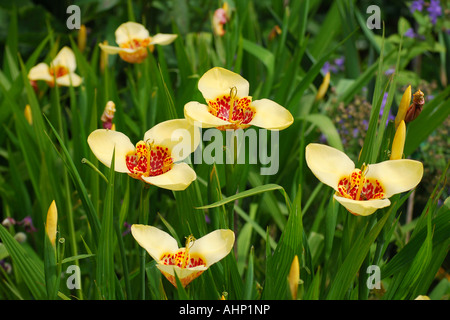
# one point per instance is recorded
(403, 107)
(66, 58)
(362, 207)
(270, 115)
(178, 135)
(214, 246)
(177, 179)
(102, 143)
(328, 164)
(130, 30)
(52, 221)
(399, 141)
(396, 176)
(198, 114)
(294, 277)
(40, 72)
(421, 297)
(155, 241)
(67, 79)
(115, 50)
(163, 39)
(219, 81)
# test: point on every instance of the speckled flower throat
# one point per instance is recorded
(358, 187)
(232, 109)
(148, 160)
(139, 55)
(183, 259)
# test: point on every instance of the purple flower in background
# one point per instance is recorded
(410, 33)
(434, 10)
(326, 67)
(416, 5)
(27, 223)
(383, 104)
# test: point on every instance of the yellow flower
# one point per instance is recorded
(363, 191)
(133, 40)
(230, 107)
(156, 158)
(62, 68)
(421, 297)
(188, 262)
(52, 220)
(403, 107)
(399, 141)
(294, 277)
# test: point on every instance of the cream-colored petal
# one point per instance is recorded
(396, 176)
(40, 72)
(115, 50)
(66, 79)
(328, 164)
(219, 81)
(163, 39)
(177, 179)
(270, 115)
(179, 135)
(66, 58)
(155, 241)
(362, 207)
(198, 115)
(102, 143)
(130, 30)
(214, 246)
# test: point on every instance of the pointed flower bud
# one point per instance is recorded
(323, 87)
(294, 277)
(416, 107)
(404, 104)
(82, 38)
(399, 142)
(52, 219)
(28, 115)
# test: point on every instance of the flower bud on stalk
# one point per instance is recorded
(416, 107)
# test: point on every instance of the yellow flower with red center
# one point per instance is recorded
(134, 41)
(62, 68)
(230, 106)
(362, 191)
(188, 262)
(156, 159)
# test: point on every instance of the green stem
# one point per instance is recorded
(144, 213)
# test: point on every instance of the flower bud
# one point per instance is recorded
(404, 104)
(399, 142)
(294, 277)
(416, 107)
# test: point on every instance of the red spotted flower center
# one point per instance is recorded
(232, 109)
(358, 187)
(182, 258)
(58, 71)
(148, 160)
(140, 54)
